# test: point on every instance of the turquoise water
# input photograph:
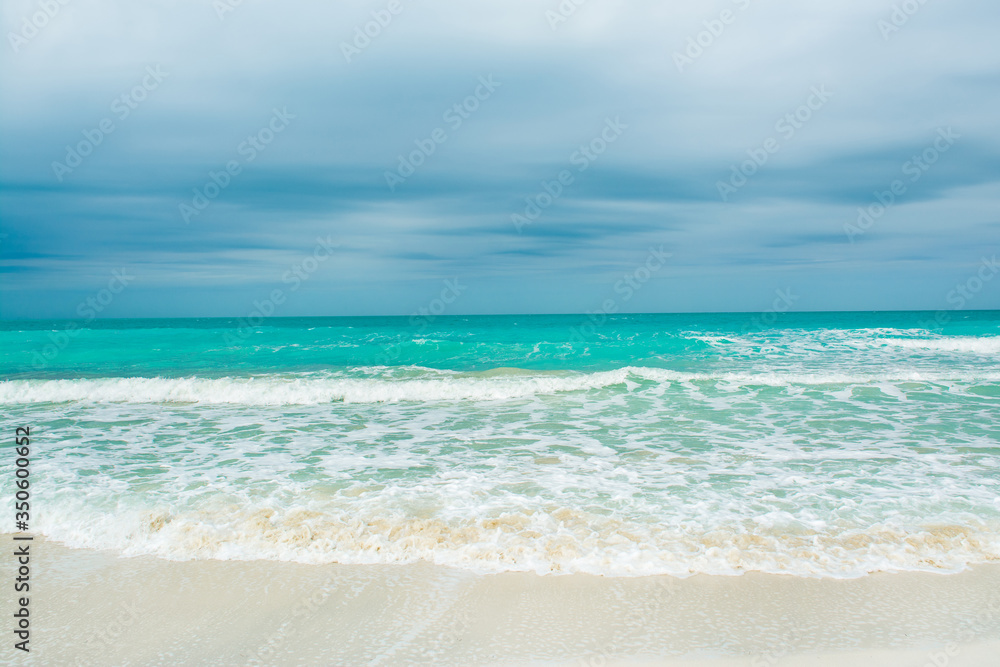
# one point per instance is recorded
(828, 444)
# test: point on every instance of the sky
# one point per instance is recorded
(216, 157)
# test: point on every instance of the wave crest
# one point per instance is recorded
(498, 384)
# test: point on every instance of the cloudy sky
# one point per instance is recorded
(532, 150)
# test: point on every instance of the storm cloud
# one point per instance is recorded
(208, 146)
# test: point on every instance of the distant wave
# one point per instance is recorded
(294, 391)
(985, 345)
(500, 384)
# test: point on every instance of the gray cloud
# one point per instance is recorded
(656, 184)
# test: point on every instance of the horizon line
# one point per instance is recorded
(456, 316)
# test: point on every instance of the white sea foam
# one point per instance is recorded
(558, 540)
(679, 475)
(278, 390)
(826, 453)
(984, 345)
(504, 384)
(792, 343)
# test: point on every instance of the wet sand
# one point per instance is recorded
(94, 608)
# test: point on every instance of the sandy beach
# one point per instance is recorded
(500, 334)
(94, 608)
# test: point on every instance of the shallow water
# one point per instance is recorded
(828, 445)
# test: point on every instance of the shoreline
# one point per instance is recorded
(93, 607)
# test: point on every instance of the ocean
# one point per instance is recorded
(810, 444)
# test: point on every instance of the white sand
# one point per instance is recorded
(93, 608)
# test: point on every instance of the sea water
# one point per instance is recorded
(829, 444)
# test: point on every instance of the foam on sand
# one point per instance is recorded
(558, 541)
